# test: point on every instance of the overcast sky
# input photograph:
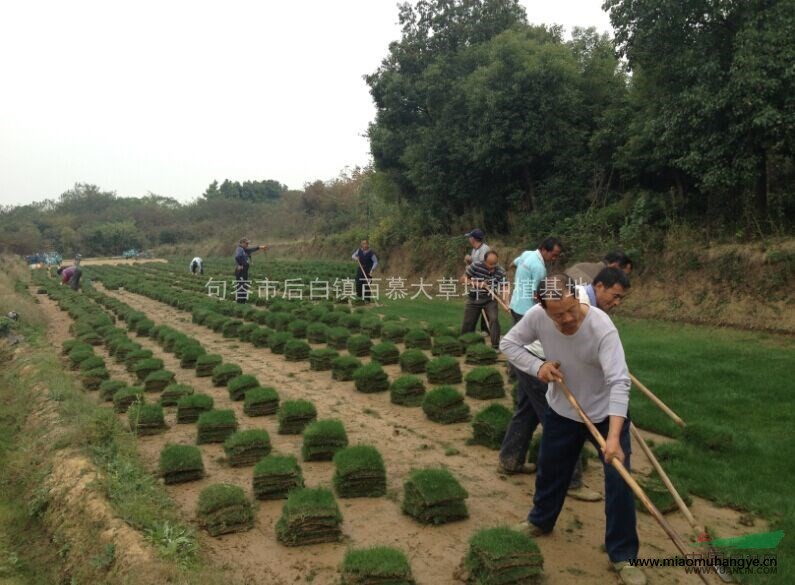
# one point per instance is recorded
(166, 96)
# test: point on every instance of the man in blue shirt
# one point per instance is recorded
(242, 262)
(531, 269)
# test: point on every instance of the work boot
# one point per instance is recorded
(526, 469)
(531, 529)
(584, 494)
(629, 575)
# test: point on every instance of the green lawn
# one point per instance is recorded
(736, 381)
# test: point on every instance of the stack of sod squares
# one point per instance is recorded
(407, 391)
(294, 415)
(205, 364)
(158, 380)
(371, 378)
(322, 439)
(215, 426)
(124, 398)
(471, 338)
(310, 516)
(343, 367)
(146, 419)
(481, 354)
(224, 508)
(189, 355)
(320, 359)
(445, 405)
(434, 496)
(413, 361)
(222, 373)
(417, 339)
(385, 353)
(498, 556)
(247, 447)
(190, 407)
(261, 401)
(108, 388)
(445, 345)
(359, 472)
(489, 426)
(238, 386)
(297, 350)
(484, 382)
(444, 370)
(275, 476)
(173, 392)
(378, 565)
(181, 463)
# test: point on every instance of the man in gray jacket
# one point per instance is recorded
(583, 347)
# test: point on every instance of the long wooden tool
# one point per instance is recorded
(651, 396)
(679, 543)
(497, 298)
(367, 279)
(485, 320)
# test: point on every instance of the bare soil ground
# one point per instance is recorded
(407, 440)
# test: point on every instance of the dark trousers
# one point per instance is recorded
(472, 312)
(561, 443)
(531, 407)
(74, 280)
(242, 286)
(362, 291)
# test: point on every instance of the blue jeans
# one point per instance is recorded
(531, 404)
(561, 443)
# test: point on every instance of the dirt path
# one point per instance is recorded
(406, 439)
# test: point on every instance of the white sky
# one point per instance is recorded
(165, 96)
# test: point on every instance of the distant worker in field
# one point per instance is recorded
(71, 276)
(366, 262)
(607, 291)
(78, 258)
(242, 263)
(485, 280)
(583, 349)
(479, 247)
(196, 266)
(584, 272)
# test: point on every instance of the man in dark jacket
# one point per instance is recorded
(366, 262)
(242, 262)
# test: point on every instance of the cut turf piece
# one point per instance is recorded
(385, 353)
(135, 356)
(145, 367)
(91, 363)
(417, 339)
(498, 556)
(297, 350)
(351, 321)
(261, 401)
(359, 472)
(189, 356)
(93, 378)
(79, 355)
(260, 336)
(238, 386)
(146, 419)
(371, 378)
(215, 426)
(158, 380)
(322, 439)
(245, 331)
(443, 370)
(181, 463)
(394, 332)
(310, 516)
(413, 361)
(317, 332)
(294, 415)
(72, 344)
(371, 326)
(337, 337)
(223, 509)
(446, 345)
(297, 328)
(708, 437)
(124, 398)
(206, 363)
(481, 354)
(320, 359)
(332, 319)
(190, 407)
(359, 345)
(434, 496)
(484, 383)
(445, 405)
(378, 565)
(407, 391)
(173, 392)
(471, 338)
(247, 447)
(343, 367)
(223, 373)
(489, 426)
(275, 476)
(441, 330)
(278, 341)
(108, 388)
(659, 495)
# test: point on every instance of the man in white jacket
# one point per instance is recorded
(582, 346)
